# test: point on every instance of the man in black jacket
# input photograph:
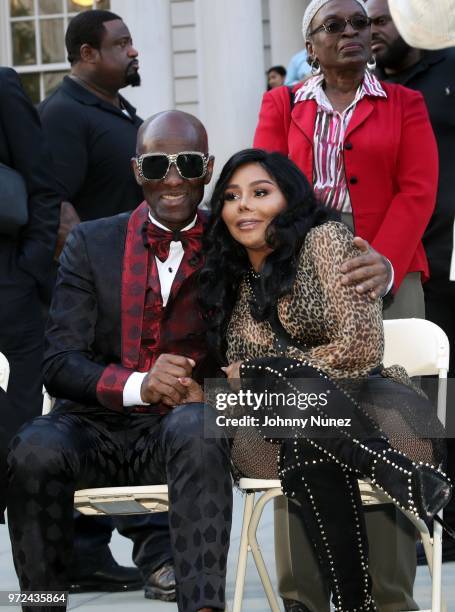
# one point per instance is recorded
(127, 415)
(25, 259)
(92, 132)
(433, 74)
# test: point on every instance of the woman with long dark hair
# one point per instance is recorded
(281, 317)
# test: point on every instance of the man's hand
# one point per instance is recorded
(68, 219)
(370, 271)
(194, 392)
(161, 383)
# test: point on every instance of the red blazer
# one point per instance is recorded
(391, 164)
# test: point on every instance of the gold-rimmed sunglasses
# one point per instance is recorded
(155, 166)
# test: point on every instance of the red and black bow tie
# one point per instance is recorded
(159, 240)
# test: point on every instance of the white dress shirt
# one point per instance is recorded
(166, 274)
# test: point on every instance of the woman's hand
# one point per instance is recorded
(232, 372)
(194, 392)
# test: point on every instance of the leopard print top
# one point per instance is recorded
(344, 335)
(342, 329)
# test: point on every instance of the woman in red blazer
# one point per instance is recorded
(382, 148)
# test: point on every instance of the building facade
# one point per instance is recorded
(206, 57)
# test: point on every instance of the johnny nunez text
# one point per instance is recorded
(277, 421)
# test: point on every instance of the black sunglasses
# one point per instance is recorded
(338, 26)
(155, 166)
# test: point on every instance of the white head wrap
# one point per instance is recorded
(313, 8)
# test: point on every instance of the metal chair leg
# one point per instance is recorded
(436, 595)
(255, 549)
(433, 553)
(243, 552)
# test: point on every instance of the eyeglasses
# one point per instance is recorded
(338, 26)
(155, 166)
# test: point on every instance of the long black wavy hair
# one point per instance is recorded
(226, 261)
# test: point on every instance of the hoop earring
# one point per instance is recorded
(315, 67)
(371, 64)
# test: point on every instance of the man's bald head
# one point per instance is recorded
(164, 130)
(173, 199)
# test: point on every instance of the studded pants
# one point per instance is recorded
(329, 505)
(319, 466)
(54, 455)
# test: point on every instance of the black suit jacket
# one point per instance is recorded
(83, 333)
(84, 328)
(22, 147)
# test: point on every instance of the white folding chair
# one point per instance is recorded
(122, 500)
(116, 500)
(422, 348)
(4, 372)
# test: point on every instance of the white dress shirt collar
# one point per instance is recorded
(185, 229)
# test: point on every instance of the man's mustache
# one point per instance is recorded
(131, 64)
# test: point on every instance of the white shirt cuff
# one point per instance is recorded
(392, 277)
(132, 390)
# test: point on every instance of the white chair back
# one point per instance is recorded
(420, 346)
(4, 372)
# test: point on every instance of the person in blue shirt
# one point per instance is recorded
(298, 68)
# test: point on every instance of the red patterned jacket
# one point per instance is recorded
(95, 334)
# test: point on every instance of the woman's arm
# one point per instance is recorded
(353, 322)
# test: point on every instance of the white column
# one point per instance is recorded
(286, 29)
(150, 26)
(4, 35)
(230, 72)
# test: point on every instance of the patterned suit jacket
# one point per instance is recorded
(83, 335)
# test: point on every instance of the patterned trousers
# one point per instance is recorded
(54, 455)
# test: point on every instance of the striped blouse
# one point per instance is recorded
(329, 179)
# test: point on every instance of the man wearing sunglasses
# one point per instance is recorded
(124, 338)
(92, 131)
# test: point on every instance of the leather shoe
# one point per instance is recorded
(291, 605)
(110, 578)
(161, 584)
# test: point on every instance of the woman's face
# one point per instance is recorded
(350, 48)
(251, 200)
